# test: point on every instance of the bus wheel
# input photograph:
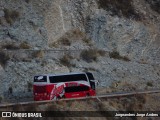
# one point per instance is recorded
(63, 96)
(58, 97)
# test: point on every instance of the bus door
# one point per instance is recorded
(91, 80)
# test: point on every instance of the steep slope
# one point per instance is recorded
(31, 31)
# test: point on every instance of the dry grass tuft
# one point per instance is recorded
(38, 54)
(1, 98)
(116, 55)
(24, 45)
(32, 107)
(29, 85)
(121, 8)
(27, 1)
(91, 55)
(155, 5)
(150, 84)
(66, 60)
(70, 37)
(4, 58)
(11, 15)
(10, 46)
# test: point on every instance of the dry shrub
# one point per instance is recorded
(10, 90)
(120, 7)
(24, 45)
(114, 54)
(18, 107)
(11, 15)
(65, 42)
(91, 54)
(77, 33)
(38, 54)
(122, 86)
(101, 52)
(62, 41)
(4, 58)
(10, 46)
(29, 84)
(155, 5)
(66, 60)
(89, 69)
(136, 103)
(27, 1)
(104, 106)
(52, 107)
(1, 98)
(32, 107)
(143, 61)
(141, 98)
(150, 84)
(67, 38)
(0, 21)
(87, 41)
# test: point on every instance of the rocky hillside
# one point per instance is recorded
(117, 40)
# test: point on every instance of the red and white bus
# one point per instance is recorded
(72, 85)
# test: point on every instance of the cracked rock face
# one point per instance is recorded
(39, 25)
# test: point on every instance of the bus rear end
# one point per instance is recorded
(78, 91)
(41, 88)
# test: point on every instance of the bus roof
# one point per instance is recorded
(61, 74)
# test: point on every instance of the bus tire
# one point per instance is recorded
(56, 98)
(63, 96)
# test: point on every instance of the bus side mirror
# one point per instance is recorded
(96, 81)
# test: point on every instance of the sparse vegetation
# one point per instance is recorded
(87, 41)
(1, 98)
(4, 58)
(29, 84)
(43, 63)
(11, 15)
(10, 46)
(32, 107)
(155, 5)
(150, 84)
(116, 55)
(66, 60)
(38, 54)
(62, 41)
(24, 45)
(10, 90)
(65, 41)
(91, 55)
(143, 61)
(89, 69)
(27, 1)
(120, 7)
(0, 21)
(70, 37)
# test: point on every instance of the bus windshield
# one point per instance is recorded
(40, 79)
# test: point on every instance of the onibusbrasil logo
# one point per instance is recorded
(19, 114)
